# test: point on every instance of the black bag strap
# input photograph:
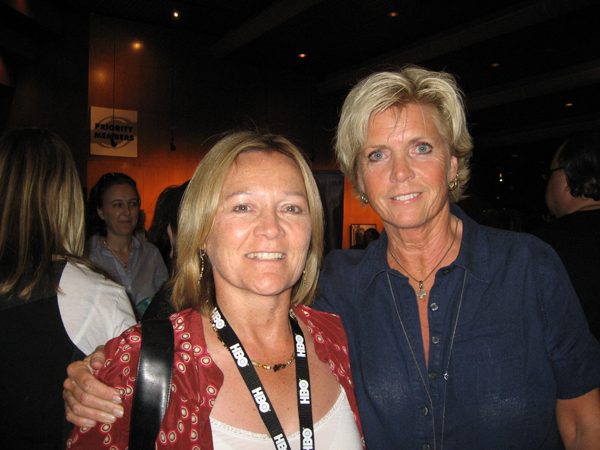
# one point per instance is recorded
(152, 387)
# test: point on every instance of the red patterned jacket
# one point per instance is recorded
(196, 381)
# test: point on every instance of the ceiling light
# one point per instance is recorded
(495, 64)
(175, 14)
(393, 14)
(569, 104)
(100, 75)
(137, 45)
(302, 55)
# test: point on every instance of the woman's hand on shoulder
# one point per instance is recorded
(88, 400)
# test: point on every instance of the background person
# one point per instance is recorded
(163, 229)
(53, 307)
(113, 213)
(249, 247)
(573, 198)
(371, 234)
(163, 233)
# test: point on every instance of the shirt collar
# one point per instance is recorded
(472, 257)
(474, 248)
(135, 242)
(97, 243)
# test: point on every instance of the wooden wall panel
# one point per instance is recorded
(175, 87)
(151, 179)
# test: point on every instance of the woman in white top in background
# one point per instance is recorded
(53, 307)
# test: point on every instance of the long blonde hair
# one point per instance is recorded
(199, 207)
(41, 208)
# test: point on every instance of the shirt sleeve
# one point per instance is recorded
(93, 308)
(123, 316)
(573, 351)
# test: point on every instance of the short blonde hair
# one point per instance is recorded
(411, 84)
(199, 208)
(41, 207)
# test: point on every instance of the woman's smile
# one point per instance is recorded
(265, 256)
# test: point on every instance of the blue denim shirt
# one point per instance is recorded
(521, 342)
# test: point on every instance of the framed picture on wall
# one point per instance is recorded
(357, 234)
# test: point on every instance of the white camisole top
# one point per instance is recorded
(336, 430)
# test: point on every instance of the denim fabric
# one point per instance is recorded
(521, 342)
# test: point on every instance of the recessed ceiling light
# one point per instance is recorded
(100, 76)
(569, 104)
(175, 14)
(302, 55)
(393, 14)
(137, 45)
(495, 64)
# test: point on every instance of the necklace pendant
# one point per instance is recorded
(421, 293)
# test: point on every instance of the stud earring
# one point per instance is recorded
(363, 198)
(453, 185)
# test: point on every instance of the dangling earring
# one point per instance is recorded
(304, 277)
(202, 253)
(454, 183)
(364, 199)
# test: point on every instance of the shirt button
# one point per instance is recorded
(432, 375)
(433, 306)
(426, 447)
(424, 411)
(435, 339)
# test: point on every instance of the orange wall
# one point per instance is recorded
(152, 178)
(152, 181)
(174, 85)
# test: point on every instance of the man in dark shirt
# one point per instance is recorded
(573, 198)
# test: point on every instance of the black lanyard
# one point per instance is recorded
(259, 394)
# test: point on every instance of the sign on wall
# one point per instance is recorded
(113, 132)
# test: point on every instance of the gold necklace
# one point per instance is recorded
(116, 254)
(275, 367)
(421, 292)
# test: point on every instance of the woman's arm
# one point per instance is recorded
(573, 351)
(579, 421)
(119, 370)
(88, 400)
